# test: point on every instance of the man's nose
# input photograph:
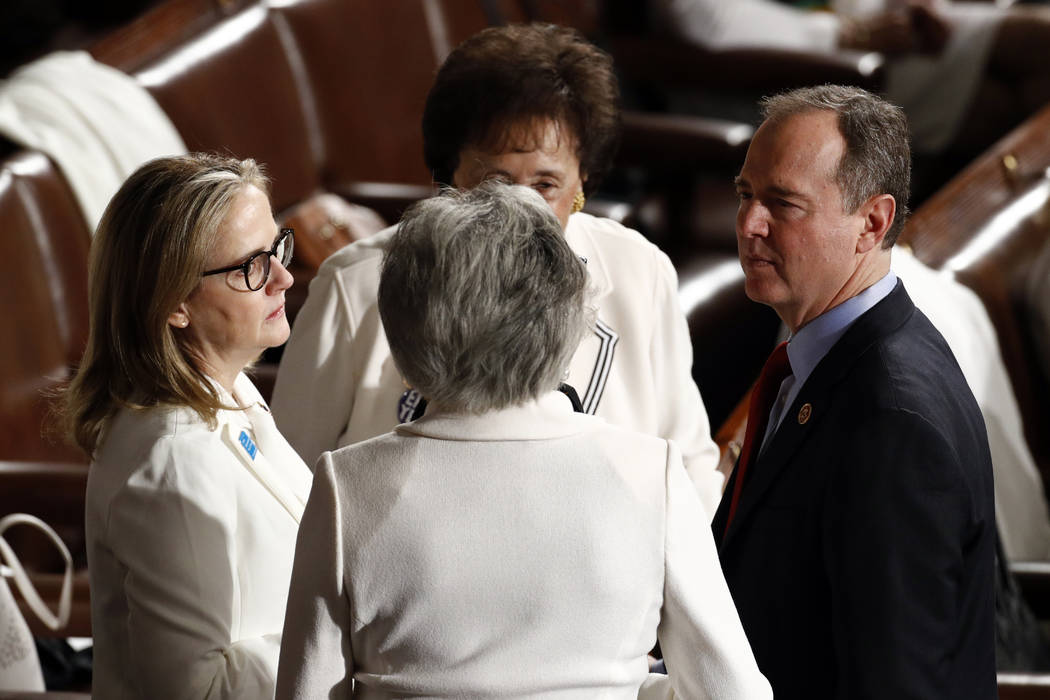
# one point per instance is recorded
(752, 219)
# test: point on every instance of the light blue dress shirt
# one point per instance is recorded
(811, 343)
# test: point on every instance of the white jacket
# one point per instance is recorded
(190, 536)
(526, 552)
(337, 383)
(960, 316)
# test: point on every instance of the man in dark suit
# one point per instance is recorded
(858, 539)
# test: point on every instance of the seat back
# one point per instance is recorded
(373, 63)
(732, 335)
(234, 88)
(44, 298)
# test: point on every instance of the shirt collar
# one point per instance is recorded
(812, 342)
(549, 416)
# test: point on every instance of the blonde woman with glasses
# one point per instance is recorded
(193, 497)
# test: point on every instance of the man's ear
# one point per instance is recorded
(878, 215)
(180, 317)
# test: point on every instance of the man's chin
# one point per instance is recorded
(760, 291)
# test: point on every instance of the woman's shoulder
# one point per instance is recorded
(614, 244)
(131, 426)
(149, 445)
(606, 230)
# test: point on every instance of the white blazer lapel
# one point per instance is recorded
(240, 438)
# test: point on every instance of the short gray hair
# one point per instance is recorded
(482, 299)
(877, 159)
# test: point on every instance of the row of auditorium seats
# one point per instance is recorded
(328, 95)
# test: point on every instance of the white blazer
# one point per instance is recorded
(337, 383)
(190, 536)
(526, 552)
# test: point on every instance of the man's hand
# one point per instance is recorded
(931, 28)
(918, 27)
(887, 32)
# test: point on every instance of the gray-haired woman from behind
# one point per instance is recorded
(502, 545)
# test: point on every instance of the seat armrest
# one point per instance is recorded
(389, 199)
(50, 695)
(676, 63)
(673, 140)
(1024, 686)
(1034, 579)
(52, 491)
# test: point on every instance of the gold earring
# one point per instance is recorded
(578, 200)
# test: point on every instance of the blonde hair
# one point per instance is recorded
(147, 257)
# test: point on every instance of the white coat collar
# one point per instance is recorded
(550, 416)
(580, 235)
(251, 435)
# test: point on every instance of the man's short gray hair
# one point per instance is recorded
(877, 159)
(482, 299)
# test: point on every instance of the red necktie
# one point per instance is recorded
(776, 369)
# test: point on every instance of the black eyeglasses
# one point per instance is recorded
(256, 269)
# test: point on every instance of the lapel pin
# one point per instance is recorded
(804, 413)
(248, 444)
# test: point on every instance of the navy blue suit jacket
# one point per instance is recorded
(861, 556)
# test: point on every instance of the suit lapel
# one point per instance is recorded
(887, 315)
(782, 447)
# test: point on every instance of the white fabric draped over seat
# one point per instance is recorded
(97, 123)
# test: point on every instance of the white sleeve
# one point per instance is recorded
(703, 643)
(724, 24)
(177, 541)
(683, 415)
(316, 658)
(314, 392)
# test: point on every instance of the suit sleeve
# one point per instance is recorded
(898, 517)
(315, 387)
(703, 642)
(175, 536)
(684, 417)
(316, 657)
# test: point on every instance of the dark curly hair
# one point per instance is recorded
(517, 74)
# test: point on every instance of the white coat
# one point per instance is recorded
(337, 383)
(190, 536)
(1020, 504)
(525, 552)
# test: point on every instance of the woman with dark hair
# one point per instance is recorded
(534, 105)
(193, 497)
(503, 545)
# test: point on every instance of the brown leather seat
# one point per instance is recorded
(731, 334)
(44, 300)
(233, 89)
